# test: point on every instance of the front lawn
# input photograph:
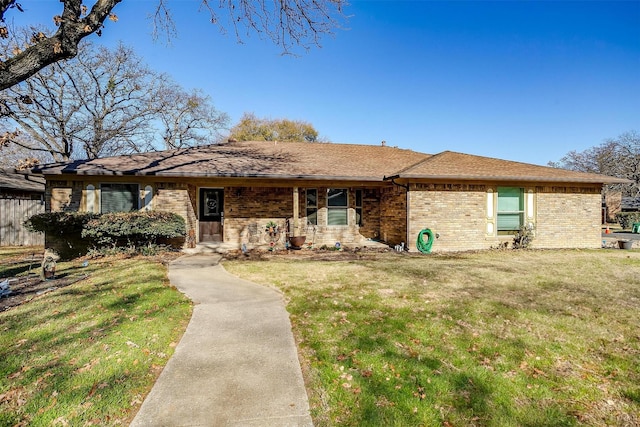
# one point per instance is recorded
(496, 338)
(86, 353)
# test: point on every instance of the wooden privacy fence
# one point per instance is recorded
(13, 212)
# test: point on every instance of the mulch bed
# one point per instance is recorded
(345, 254)
(28, 284)
(24, 289)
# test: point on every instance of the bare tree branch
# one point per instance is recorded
(618, 157)
(105, 102)
(61, 45)
(287, 23)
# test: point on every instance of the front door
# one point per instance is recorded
(211, 214)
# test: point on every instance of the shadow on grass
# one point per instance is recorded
(20, 269)
(86, 330)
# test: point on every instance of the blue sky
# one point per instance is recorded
(519, 80)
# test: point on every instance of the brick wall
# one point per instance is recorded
(178, 198)
(63, 196)
(249, 209)
(455, 211)
(568, 217)
(370, 227)
(563, 217)
(393, 215)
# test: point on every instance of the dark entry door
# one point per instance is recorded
(211, 214)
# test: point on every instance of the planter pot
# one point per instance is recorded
(625, 244)
(296, 242)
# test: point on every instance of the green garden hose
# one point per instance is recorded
(425, 247)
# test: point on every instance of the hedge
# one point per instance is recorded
(627, 219)
(134, 228)
(71, 234)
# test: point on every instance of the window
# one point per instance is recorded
(91, 197)
(312, 206)
(510, 212)
(359, 207)
(337, 203)
(119, 198)
(148, 197)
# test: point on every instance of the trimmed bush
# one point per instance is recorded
(626, 219)
(63, 231)
(59, 223)
(135, 229)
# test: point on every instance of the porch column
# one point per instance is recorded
(296, 211)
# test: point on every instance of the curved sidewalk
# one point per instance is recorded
(237, 363)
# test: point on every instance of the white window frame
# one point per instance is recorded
(311, 207)
(333, 209)
(358, 207)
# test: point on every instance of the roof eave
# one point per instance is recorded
(101, 172)
(518, 178)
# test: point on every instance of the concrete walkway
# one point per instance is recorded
(237, 363)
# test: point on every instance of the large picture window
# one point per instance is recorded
(337, 203)
(510, 212)
(119, 198)
(312, 206)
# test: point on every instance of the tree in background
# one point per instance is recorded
(619, 157)
(252, 128)
(285, 22)
(13, 156)
(188, 118)
(104, 102)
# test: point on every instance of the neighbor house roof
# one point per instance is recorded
(24, 181)
(318, 161)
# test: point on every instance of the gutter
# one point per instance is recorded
(392, 179)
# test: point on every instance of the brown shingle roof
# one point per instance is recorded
(452, 165)
(12, 180)
(254, 159)
(288, 160)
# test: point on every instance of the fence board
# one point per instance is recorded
(13, 212)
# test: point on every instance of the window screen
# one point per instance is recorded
(337, 206)
(119, 197)
(510, 209)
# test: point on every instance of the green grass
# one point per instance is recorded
(496, 338)
(88, 353)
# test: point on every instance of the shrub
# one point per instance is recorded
(63, 231)
(626, 219)
(135, 229)
(523, 237)
(59, 223)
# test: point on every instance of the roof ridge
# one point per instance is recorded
(415, 165)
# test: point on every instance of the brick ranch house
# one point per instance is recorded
(352, 194)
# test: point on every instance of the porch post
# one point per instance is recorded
(296, 211)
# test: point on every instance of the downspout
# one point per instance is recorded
(406, 188)
(393, 178)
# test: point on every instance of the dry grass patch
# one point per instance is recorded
(496, 338)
